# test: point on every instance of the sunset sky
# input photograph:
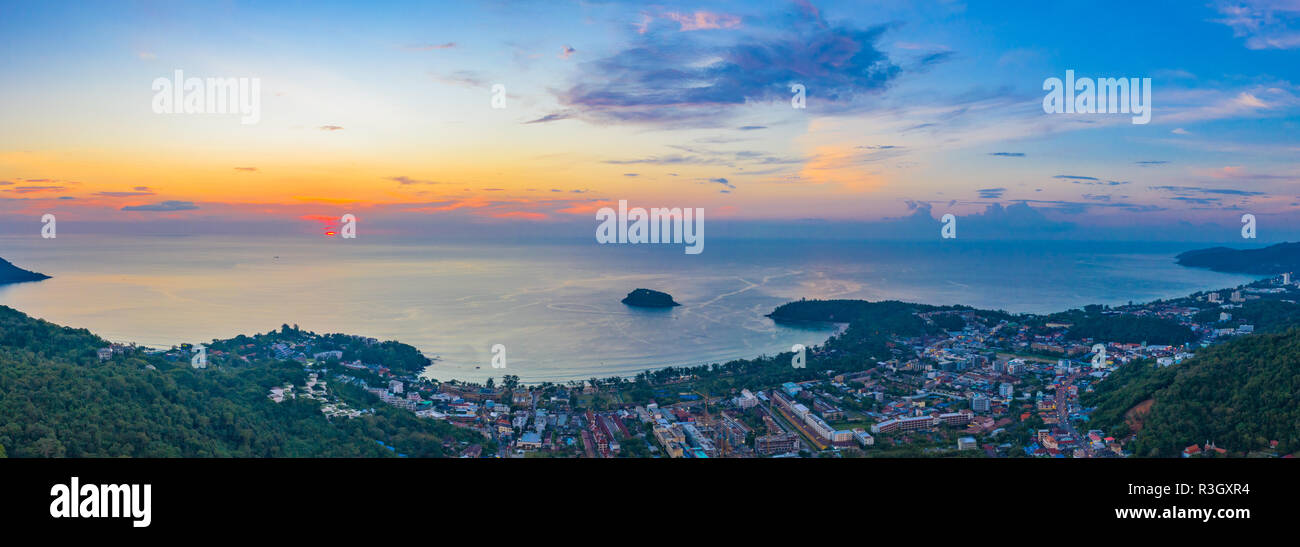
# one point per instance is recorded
(912, 108)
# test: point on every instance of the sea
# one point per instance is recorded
(554, 306)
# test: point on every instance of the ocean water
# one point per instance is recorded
(554, 305)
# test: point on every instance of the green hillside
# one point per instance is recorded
(1239, 395)
(57, 399)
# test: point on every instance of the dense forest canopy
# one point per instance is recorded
(58, 399)
(1239, 395)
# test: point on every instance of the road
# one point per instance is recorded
(1063, 409)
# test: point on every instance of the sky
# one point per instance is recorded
(912, 110)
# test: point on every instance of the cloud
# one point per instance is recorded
(461, 78)
(405, 180)
(723, 182)
(679, 78)
(553, 117)
(1076, 179)
(1265, 24)
(1150, 163)
(124, 194)
(1190, 190)
(331, 128)
(991, 193)
(246, 169)
(1234, 172)
(1180, 131)
(35, 189)
(429, 47)
(567, 51)
(166, 206)
(1008, 154)
(703, 20)
(751, 127)
(996, 221)
(672, 159)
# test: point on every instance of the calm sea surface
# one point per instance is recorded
(555, 306)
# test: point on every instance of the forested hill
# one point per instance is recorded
(13, 274)
(1271, 260)
(1239, 395)
(58, 399)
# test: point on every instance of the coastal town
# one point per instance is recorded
(976, 384)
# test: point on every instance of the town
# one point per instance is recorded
(975, 384)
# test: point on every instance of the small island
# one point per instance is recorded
(13, 274)
(1271, 260)
(646, 298)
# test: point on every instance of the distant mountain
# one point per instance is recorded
(13, 274)
(646, 298)
(1271, 260)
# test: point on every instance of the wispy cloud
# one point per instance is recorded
(703, 20)
(1078, 179)
(553, 117)
(405, 180)
(35, 189)
(124, 194)
(166, 206)
(1265, 24)
(429, 47)
(1195, 190)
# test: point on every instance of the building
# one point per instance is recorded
(529, 441)
(966, 443)
(521, 397)
(395, 386)
(671, 439)
(782, 443)
(746, 400)
(903, 424)
(979, 403)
